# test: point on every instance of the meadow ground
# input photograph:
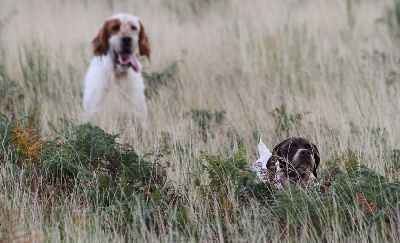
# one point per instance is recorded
(228, 73)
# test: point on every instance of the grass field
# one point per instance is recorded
(224, 74)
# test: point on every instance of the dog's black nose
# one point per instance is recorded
(305, 153)
(126, 40)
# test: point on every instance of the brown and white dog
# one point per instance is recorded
(294, 160)
(114, 88)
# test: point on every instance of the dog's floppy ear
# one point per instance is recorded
(281, 147)
(144, 45)
(100, 43)
(316, 158)
(277, 151)
(270, 160)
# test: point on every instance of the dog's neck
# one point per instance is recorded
(120, 74)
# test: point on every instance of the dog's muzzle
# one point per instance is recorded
(126, 58)
(304, 161)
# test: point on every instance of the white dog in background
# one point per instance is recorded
(114, 86)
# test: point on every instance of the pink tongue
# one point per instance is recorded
(126, 58)
(134, 63)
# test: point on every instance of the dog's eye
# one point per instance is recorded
(115, 28)
(133, 27)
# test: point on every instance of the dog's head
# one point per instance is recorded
(120, 36)
(297, 158)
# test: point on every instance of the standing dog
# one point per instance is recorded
(114, 86)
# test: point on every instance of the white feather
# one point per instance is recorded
(261, 163)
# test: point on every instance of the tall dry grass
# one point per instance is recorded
(332, 64)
